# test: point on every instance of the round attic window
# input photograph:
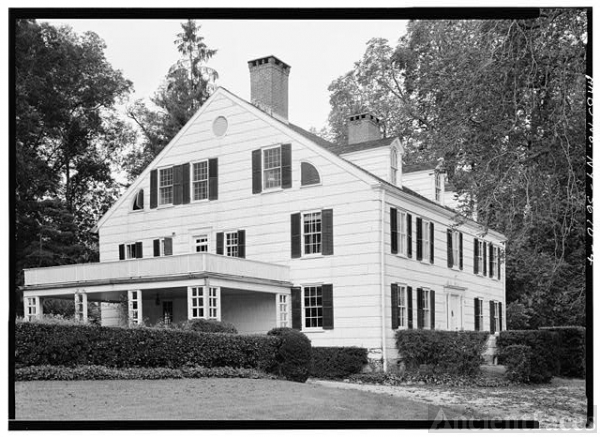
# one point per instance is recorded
(219, 126)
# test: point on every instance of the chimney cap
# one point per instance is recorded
(266, 60)
(364, 116)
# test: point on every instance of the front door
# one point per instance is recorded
(167, 311)
(455, 313)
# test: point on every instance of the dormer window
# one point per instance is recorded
(138, 202)
(394, 166)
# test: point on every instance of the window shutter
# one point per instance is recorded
(286, 166)
(409, 306)
(491, 259)
(177, 185)
(419, 238)
(185, 170)
(500, 316)
(499, 263)
(296, 308)
(256, 171)
(153, 189)
(213, 179)
(242, 244)
(156, 244)
(460, 250)
(484, 258)
(432, 308)
(476, 303)
(121, 251)
(296, 236)
(409, 235)
(395, 310)
(419, 308)
(449, 248)
(138, 250)
(327, 306)
(327, 221)
(431, 242)
(394, 229)
(168, 246)
(475, 255)
(492, 317)
(219, 243)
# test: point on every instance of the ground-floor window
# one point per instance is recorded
(496, 317)
(283, 310)
(478, 314)
(402, 306)
(135, 307)
(197, 302)
(213, 303)
(204, 303)
(425, 308)
(80, 306)
(313, 307)
(31, 307)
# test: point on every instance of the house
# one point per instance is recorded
(246, 218)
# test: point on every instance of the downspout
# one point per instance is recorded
(382, 279)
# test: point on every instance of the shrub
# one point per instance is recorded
(61, 345)
(294, 355)
(452, 352)
(571, 353)
(201, 325)
(517, 316)
(517, 359)
(337, 362)
(543, 344)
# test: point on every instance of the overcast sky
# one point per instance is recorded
(318, 51)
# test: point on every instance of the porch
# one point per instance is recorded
(251, 295)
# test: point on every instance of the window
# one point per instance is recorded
(200, 180)
(456, 243)
(167, 312)
(438, 187)
(138, 201)
(231, 244)
(197, 302)
(426, 310)
(478, 314)
(213, 303)
(480, 256)
(402, 307)
(201, 243)
(31, 307)
(309, 174)
(283, 310)
(312, 233)
(272, 168)
(402, 243)
(394, 166)
(163, 246)
(130, 250)
(426, 240)
(496, 317)
(313, 307)
(493, 260)
(135, 307)
(165, 185)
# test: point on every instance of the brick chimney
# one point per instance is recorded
(269, 86)
(363, 127)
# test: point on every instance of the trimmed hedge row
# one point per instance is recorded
(71, 345)
(543, 344)
(517, 359)
(571, 354)
(451, 352)
(337, 362)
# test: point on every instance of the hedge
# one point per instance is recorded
(337, 362)
(571, 353)
(293, 355)
(517, 359)
(451, 352)
(543, 344)
(63, 345)
(203, 325)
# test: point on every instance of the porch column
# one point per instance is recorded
(134, 300)
(81, 309)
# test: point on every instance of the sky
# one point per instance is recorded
(318, 51)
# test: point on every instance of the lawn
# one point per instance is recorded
(207, 399)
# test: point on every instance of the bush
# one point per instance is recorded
(543, 344)
(571, 353)
(201, 325)
(517, 359)
(337, 362)
(517, 316)
(74, 345)
(451, 352)
(294, 355)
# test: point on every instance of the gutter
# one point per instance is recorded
(382, 281)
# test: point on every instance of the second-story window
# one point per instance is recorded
(272, 168)
(312, 232)
(201, 243)
(165, 185)
(200, 180)
(394, 166)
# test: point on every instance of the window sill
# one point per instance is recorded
(313, 256)
(165, 206)
(271, 190)
(313, 330)
(199, 200)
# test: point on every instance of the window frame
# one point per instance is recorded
(394, 166)
(425, 240)
(455, 249)
(494, 261)
(304, 234)
(264, 169)
(31, 307)
(438, 187)
(170, 186)
(213, 303)
(480, 260)
(317, 287)
(425, 308)
(402, 290)
(130, 251)
(200, 306)
(283, 308)
(196, 244)
(402, 233)
(229, 249)
(480, 316)
(496, 316)
(135, 207)
(193, 181)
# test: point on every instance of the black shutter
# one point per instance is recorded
(409, 306)
(256, 171)
(121, 251)
(296, 308)
(327, 306)
(242, 244)
(491, 259)
(156, 247)
(138, 250)
(484, 258)
(296, 236)
(153, 189)
(219, 243)
(449, 248)
(499, 263)
(419, 238)
(419, 308)
(409, 235)
(499, 316)
(286, 166)
(475, 255)
(395, 310)
(394, 229)
(460, 250)
(168, 246)
(185, 170)
(432, 308)
(177, 185)
(327, 230)
(213, 179)
(492, 317)
(476, 303)
(431, 242)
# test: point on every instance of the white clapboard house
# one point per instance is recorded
(246, 218)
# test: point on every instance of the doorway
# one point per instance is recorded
(167, 311)
(455, 312)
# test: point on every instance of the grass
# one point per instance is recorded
(207, 399)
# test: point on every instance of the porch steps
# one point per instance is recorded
(490, 353)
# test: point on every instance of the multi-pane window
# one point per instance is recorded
(480, 256)
(426, 239)
(438, 187)
(283, 310)
(31, 309)
(200, 180)
(313, 307)
(213, 303)
(456, 248)
(402, 235)
(402, 306)
(496, 316)
(272, 167)
(426, 308)
(197, 302)
(165, 185)
(493, 261)
(394, 166)
(231, 244)
(312, 232)
(201, 243)
(479, 314)
(135, 307)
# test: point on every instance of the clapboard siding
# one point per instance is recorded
(376, 161)
(420, 181)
